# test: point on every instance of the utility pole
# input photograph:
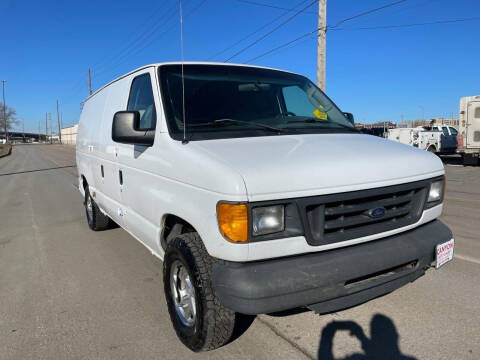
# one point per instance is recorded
(89, 83)
(39, 131)
(5, 111)
(322, 43)
(49, 115)
(46, 126)
(59, 129)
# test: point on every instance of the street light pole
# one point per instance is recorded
(5, 111)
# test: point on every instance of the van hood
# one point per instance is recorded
(276, 167)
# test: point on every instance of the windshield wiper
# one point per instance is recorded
(219, 122)
(315, 120)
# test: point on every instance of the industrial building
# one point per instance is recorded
(69, 134)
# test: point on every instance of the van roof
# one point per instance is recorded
(179, 63)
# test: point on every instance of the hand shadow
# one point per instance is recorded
(382, 345)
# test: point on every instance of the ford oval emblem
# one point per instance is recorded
(377, 212)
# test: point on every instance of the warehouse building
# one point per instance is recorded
(69, 135)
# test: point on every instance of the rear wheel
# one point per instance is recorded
(96, 219)
(199, 319)
(431, 149)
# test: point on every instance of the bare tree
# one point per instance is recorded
(10, 114)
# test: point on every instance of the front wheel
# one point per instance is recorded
(199, 319)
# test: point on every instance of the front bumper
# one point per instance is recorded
(329, 280)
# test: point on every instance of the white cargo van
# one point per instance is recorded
(469, 130)
(257, 193)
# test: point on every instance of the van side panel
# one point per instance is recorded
(88, 137)
(109, 186)
(140, 192)
(150, 191)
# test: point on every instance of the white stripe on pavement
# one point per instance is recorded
(466, 258)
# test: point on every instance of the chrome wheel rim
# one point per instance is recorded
(183, 293)
(89, 207)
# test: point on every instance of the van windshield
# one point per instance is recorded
(235, 101)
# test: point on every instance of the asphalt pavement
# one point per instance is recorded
(67, 292)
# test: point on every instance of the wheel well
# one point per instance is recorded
(432, 147)
(174, 226)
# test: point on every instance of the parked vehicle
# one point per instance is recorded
(257, 193)
(439, 139)
(469, 130)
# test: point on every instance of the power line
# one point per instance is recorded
(325, 28)
(137, 47)
(253, 33)
(361, 28)
(146, 25)
(147, 42)
(271, 6)
(366, 13)
(283, 45)
(410, 25)
(273, 30)
(406, 8)
(144, 37)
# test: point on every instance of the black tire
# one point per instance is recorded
(96, 220)
(431, 149)
(213, 325)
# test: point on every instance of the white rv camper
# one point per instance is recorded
(469, 130)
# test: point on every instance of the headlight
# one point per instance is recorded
(268, 219)
(436, 191)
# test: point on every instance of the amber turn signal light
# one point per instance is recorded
(233, 222)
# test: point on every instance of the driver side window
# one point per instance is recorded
(141, 100)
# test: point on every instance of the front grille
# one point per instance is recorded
(353, 214)
(346, 216)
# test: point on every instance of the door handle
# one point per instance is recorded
(120, 176)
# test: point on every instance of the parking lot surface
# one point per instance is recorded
(69, 293)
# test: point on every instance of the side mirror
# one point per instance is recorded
(350, 118)
(125, 129)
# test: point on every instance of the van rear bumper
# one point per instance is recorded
(330, 280)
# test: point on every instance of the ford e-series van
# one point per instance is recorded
(257, 193)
